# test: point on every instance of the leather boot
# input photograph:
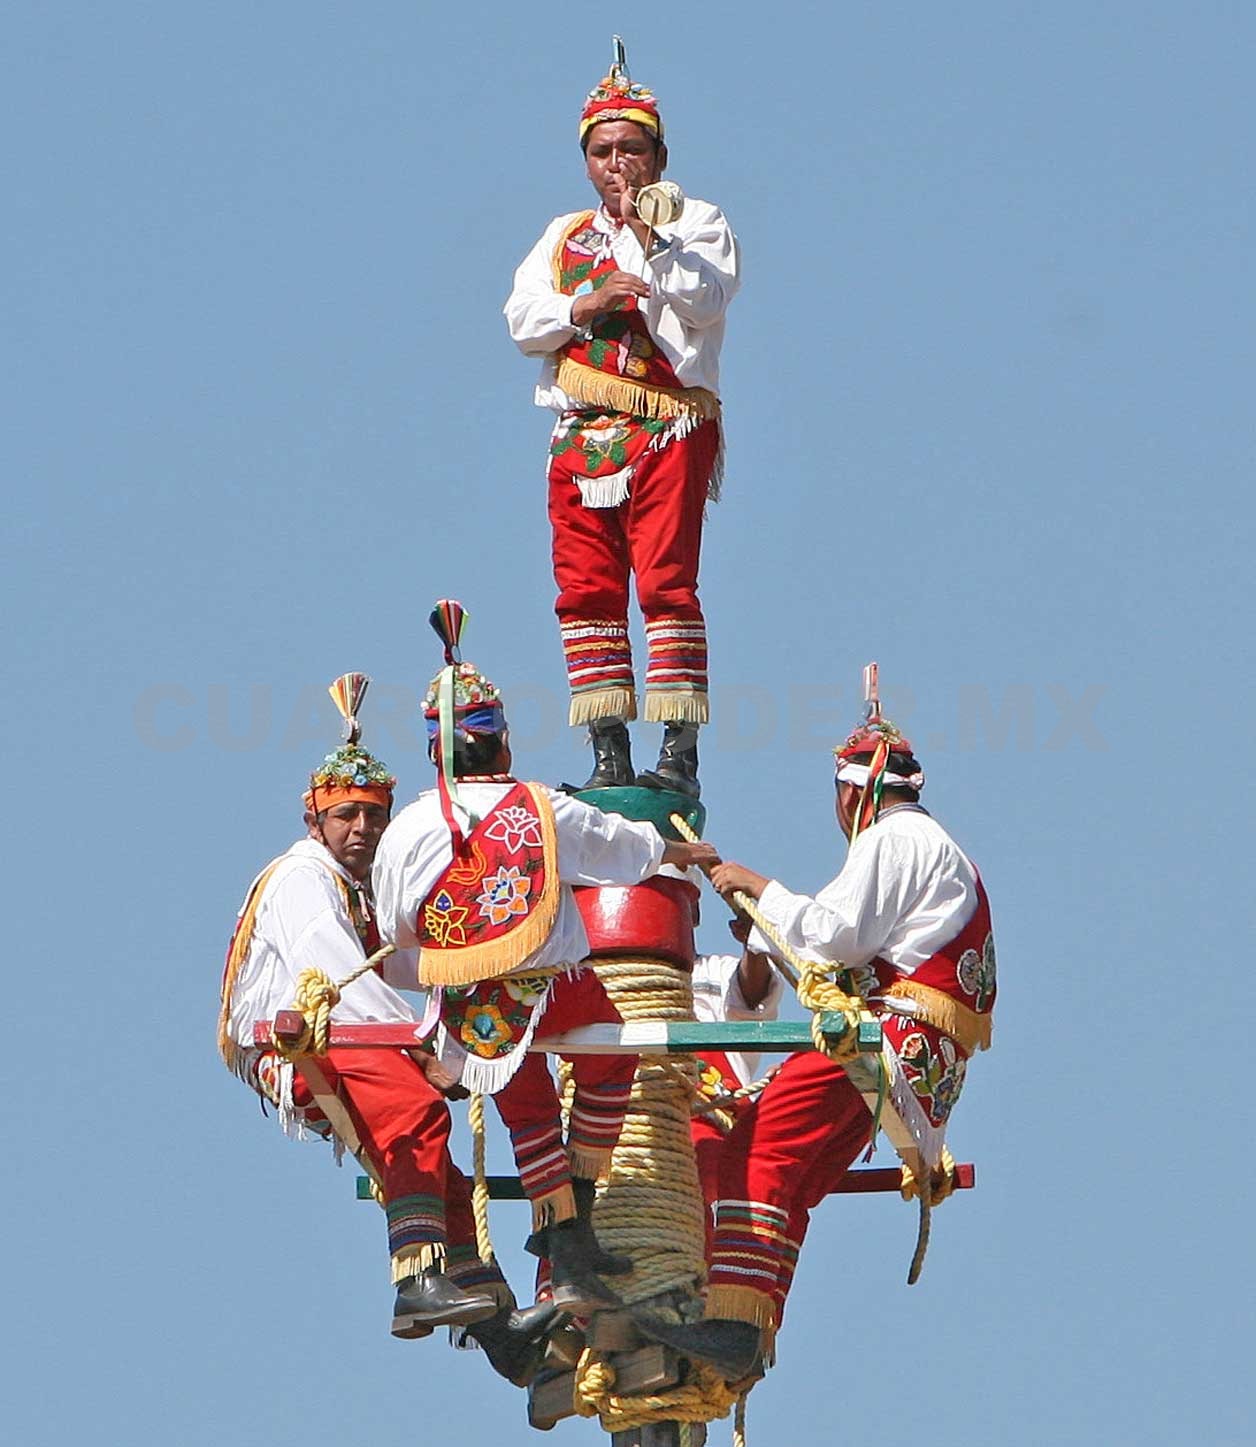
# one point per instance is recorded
(677, 768)
(431, 1299)
(515, 1341)
(732, 1347)
(612, 755)
(578, 1290)
(605, 1263)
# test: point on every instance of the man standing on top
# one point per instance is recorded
(477, 873)
(629, 319)
(312, 907)
(909, 919)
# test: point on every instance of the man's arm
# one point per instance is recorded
(539, 317)
(755, 975)
(849, 920)
(695, 269)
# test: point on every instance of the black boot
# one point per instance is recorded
(605, 1263)
(578, 1290)
(431, 1299)
(677, 768)
(732, 1347)
(612, 755)
(514, 1341)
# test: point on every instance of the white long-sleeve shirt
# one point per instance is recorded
(692, 277)
(717, 997)
(905, 890)
(593, 848)
(303, 920)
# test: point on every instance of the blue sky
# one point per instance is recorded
(988, 398)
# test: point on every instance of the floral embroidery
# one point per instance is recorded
(470, 870)
(936, 1075)
(492, 1017)
(516, 827)
(445, 921)
(504, 893)
(484, 1029)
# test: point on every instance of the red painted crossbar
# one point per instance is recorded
(889, 1178)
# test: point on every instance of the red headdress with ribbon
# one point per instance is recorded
(865, 758)
(460, 700)
(618, 97)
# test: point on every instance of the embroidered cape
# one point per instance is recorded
(497, 900)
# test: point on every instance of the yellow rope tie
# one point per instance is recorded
(818, 991)
(705, 1396)
(317, 995)
(479, 1194)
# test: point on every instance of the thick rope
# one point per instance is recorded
(651, 1206)
(479, 1194)
(941, 1184)
(317, 995)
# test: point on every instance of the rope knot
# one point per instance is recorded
(941, 1180)
(316, 996)
(819, 992)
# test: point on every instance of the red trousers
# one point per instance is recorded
(786, 1153)
(529, 1105)
(656, 535)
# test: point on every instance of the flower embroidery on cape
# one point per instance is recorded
(504, 894)
(445, 921)
(516, 827)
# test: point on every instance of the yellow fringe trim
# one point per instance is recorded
(740, 1303)
(495, 958)
(588, 1164)
(587, 708)
(410, 1260)
(672, 706)
(552, 1209)
(969, 1029)
(592, 388)
(230, 1051)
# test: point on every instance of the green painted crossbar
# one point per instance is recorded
(638, 1037)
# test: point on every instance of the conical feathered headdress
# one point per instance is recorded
(349, 772)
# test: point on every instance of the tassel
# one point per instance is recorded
(347, 694)
(618, 703)
(664, 706)
(448, 618)
(740, 1303)
(552, 1209)
(600, 492)
(411, 1260)
(638, 399)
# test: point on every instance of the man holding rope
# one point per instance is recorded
(628, 319)
(477, 873)
(313, 907)
(908, 919)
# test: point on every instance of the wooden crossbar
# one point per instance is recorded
(640, 1037)
(854, 1183)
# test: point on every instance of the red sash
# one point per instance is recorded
(496, 902)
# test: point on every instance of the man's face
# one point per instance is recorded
(351, 832)
(847, 804)
(622, 155)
